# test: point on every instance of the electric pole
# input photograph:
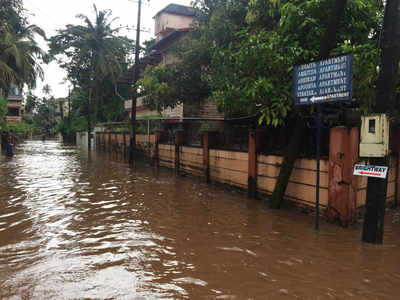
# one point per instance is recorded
(132, 144)
(385, 103)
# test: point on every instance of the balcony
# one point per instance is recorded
(15, 94)
(14, 114)
(14, 102)
(15, 97)
(139, 103)
(13, 119)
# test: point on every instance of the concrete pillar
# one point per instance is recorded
(116, 144)
(156, 155)
(124, 145)
(206, 156)
(210, 139)
(342, 186)
(109, 142)
(252, 166)
(179, 135)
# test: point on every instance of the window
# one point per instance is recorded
(13, 112)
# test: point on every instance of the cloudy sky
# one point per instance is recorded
(52, 15)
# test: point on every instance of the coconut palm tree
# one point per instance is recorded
(20, 57)
(93, 53)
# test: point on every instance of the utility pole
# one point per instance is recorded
(385, 103)
(132, 144)
(89, 120)
(69, 108)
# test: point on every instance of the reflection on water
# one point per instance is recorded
(79, 228)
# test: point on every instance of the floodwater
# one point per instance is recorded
(79, 228)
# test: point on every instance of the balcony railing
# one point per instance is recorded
(128, 103)
(14, 102)
(14, 119)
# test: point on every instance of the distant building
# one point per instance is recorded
(171, 18)
(171, 23)
(62, 108)
(14, 104)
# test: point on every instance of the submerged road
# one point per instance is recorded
(73, 227)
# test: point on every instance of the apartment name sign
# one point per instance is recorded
(324, 81)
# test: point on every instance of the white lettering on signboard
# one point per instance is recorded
(324, 81)
(370, 171)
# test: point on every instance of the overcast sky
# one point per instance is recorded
(52, 15)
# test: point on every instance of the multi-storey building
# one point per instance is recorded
(171, 24)
(14, 104)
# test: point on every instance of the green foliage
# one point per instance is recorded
(77, 124)
(20, 55)
(252, 77)
(31, 103)
(20, 129)
(243, 52)
(94, 56)
(157, 88)
(44, 119)
(12, 14)
(3, 111)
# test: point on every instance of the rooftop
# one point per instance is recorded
(178, 9)
(173, 35)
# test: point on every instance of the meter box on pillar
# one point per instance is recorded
(374, 136)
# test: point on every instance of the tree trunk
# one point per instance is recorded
(328, 42)
(291, 154)
(385, 103)
(96, 105)
(89, 119)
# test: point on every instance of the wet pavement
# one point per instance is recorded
(73, 227)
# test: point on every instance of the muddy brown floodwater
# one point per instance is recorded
(79, 228)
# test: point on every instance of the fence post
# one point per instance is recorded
(252, 165)
(178, 142)
(210, 140)
(124, 146)
(206, 156)
(109, 142)
(116, 144)
(156, 155)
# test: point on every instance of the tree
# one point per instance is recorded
(12, 15)
(46, 89)
(44, 118)
(242, 53)
(92, 54)
(31, 103)
(20, 55)
(3, 111)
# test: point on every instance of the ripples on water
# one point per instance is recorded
(79, 228)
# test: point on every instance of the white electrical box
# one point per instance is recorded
(374, 136)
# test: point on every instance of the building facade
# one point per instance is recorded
(171, 24)
(15, 104)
